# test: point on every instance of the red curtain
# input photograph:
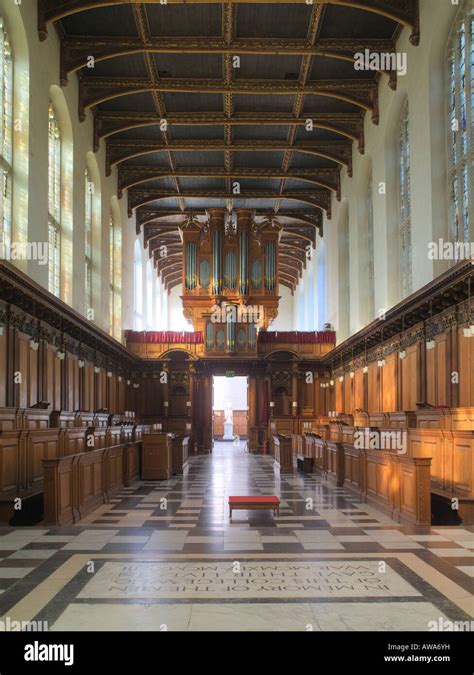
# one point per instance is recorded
(165, 337)
(297, 337)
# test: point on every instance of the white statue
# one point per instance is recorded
(228, 413)
(228, 423)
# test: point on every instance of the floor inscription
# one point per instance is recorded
(240, 580)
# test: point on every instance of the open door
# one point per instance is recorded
(229, 409)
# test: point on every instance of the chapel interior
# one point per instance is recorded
(236, 260)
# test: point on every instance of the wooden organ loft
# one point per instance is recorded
(230, 279)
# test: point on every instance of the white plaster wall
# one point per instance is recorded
(284, 320)
(176, 320)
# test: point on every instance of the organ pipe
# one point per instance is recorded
(191, 265)
(244, 262)
(217, 263)
(270, 266)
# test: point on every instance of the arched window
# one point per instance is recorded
(164, 321)
(343, 286)
(404, 187)
(115, 279)
(6, 141)
(89, 216)
(54, 203)
(158, 304)
(461, 101)
(149, 295)
(370, 247)
(138, 288)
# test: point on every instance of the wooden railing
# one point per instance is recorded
(441, 438)
(27, 437)
(397, 484)
(76, 485)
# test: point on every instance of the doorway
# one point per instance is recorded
(229, 409)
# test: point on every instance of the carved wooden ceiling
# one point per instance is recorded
(231, 123)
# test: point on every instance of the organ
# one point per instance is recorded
(230, 278)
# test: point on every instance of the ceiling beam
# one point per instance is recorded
(172, 284)
(291, 249)
(286, 258)
(151, 218)
(404, 13)
(289, 275)
(316, 198)
(339, 152)
(76, 52)
(108, 123)
(131, 176)
(362, 93)
(295, 244)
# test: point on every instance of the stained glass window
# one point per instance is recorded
(404, 187)
(115, 278)
(6, 141)
(138, 288)
(461, 102)
(89, 215)
(54, 204)
(370, 248)
(149, 295)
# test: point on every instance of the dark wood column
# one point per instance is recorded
(193, 413)
(206, 413)
(295, 397)
(165, 393)
(253, 420)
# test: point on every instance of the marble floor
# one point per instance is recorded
(164, 556)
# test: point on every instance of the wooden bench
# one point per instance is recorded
(255, 503)
(304, 464)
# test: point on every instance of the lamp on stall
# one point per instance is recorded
(365, 369)
(402, 353)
